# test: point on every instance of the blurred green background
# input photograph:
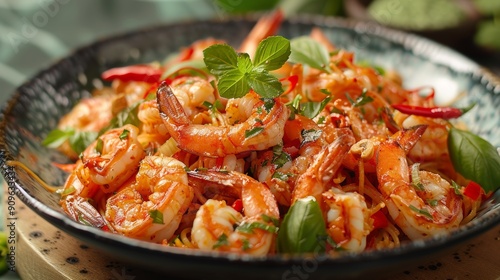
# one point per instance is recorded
(36, 33)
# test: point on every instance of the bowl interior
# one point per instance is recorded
(38, 104)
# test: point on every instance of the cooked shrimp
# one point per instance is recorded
(347, 219)
(218, 226)
(192, 92)
(433, 145)
(430, 209)
(153, 132)
(313, 182)
(90, 114)
(114, 157)
(151, 209)
(263, 129)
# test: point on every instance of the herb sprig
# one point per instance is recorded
(237, 73)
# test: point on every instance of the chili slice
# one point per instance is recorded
(238, 205)
(379, 220)
(433, 112)
(473, 190)
(137, 73)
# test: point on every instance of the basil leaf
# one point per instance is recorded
(220, 58)
(237, 74)
(271, 53)
(233, 84)
(126, 116)
(244, 63)
(312, 109)
(57, 137)
(307, 51)
(302, 228)
(475, 158)
(81, 140)
(265, 84)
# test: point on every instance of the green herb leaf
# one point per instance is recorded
(220, 58)
(244, 63)
(99, 145)
(415, 177)
(422, 212)
(246, 245)
(281, 176)
(302, 228)
(307, 51)
(221, 241)
(124, 134)
(280, 158)
(271, 53)
(57, 137)
(126, 116)
(265, 84)
(475, 158)
(253, 132)
(233, 84)
(80, 140)
(312, 109)
(157, 216)
(249, 227)
(267, 219)
(363, 99)
(237, 74)
(456, 187)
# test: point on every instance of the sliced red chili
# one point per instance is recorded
(293, 80)
(136, 73)
(379, 220)
(238, 205)
(433, 112)
(473, 190)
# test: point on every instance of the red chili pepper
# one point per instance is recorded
(433, 112)
(293, 80)
(238, 205)
(105, 228)
(379, 220)
(137, 73)
(473, 190)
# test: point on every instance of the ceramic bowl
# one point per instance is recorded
(37, 105)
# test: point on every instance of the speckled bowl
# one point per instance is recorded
(37, 105)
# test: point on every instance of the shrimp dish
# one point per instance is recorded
(268, 148)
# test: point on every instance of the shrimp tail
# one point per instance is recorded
(211, 182)
(80, 210)
(171, 109)
(407, 138)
